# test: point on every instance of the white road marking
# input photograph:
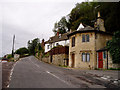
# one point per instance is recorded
(11, 73)
(51, 74)
(57, 77)
(7, 86)
(104, 78)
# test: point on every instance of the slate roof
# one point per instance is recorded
(58, 38)
(87, 29)
(102, 49)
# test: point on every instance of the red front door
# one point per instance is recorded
(100, 60)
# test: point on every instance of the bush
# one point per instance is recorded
(9, 56)
(114, 68)
(114, 47)
(22, 51)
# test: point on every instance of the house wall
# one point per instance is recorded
(60, 59)
(81, 47)
(96, 41)
(63, 43)
(46, 47)
(46, 59)
(58, 56)
(101, 40)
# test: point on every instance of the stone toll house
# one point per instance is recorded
(86, 47)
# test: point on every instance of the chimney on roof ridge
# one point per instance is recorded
(57, 33)
(98, 14)
(99, 24)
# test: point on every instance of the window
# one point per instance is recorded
(47, 46)
(57, 44)
(73, 41)
(87, 38)
(53, 44)
(86, 57)
(83, 38)
(83, 57)
(59, 36)
(104, 54)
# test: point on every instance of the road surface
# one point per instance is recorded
(31, 73)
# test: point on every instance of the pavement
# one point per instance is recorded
(5, 73)
(0, 75)
(29, 72)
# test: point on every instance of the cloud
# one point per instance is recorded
(28, 19)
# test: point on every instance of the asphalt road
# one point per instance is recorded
(31, 73)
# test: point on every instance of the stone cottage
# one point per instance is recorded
(58, 39)
(58, 49)
(86, 44)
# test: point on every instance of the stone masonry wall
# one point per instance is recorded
(46, 59)
(60, 59)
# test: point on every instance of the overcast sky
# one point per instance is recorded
(28, 19)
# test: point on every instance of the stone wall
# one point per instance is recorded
(57, 56)
(60, 59)
(46, 59)
(111, 64)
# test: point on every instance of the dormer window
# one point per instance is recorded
(57, 44)
(48, 46)
(59, 36)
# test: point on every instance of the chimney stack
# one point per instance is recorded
(43, 43)
(98, 14)
(57, 33)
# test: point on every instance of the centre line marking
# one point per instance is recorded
(57, 77)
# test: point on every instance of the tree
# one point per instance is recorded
(22, 51)
(86, 13)
(114, 47)
(61, 26)
(34, 46)
(55, 28)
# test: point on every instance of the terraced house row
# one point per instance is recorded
(86, 47)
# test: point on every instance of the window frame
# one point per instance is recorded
(48, 46)
(87, 54)
(83, 37)
(83, 57)
(73, 41)
(57, 44)
(87, 38)
(104, 55)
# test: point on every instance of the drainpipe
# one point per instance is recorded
(107, 59)
(95, 50)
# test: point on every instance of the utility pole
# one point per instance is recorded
(13, 46)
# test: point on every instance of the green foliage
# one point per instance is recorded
(114, 69)
(34, 46)
(83, 12)
(87, 13)
(9, 56)
(22, 51)
(114, 47)
(61, 26)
